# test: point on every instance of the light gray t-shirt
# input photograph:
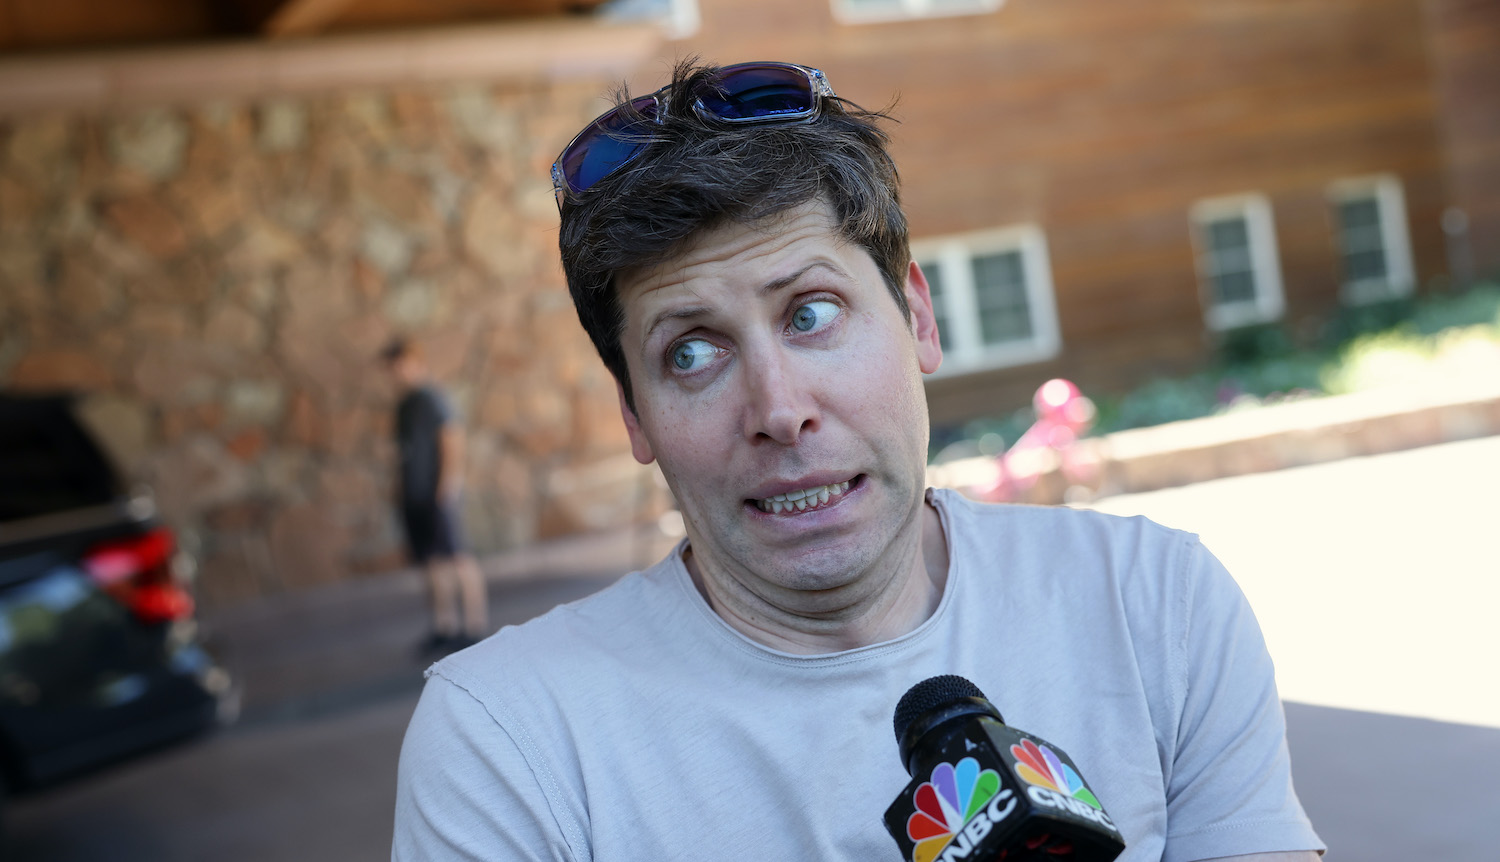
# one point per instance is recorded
(636, 725)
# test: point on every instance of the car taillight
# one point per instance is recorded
(137, 572)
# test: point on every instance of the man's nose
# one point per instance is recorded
(781, 405)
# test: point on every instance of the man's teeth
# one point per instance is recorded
(802, 499)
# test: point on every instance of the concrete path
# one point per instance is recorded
(1388, 788)
(1376, 580)
(1377, 584)
(321, 788)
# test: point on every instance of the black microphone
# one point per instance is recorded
(982, 791)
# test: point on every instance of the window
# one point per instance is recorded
(679, 18)
(1239, 274)
(1369, 218)
(992, 297)
(860, 11)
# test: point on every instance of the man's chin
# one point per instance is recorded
(822, 568)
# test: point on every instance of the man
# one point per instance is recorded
(430, 445)
(736, 249)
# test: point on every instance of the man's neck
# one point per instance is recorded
(910, 595)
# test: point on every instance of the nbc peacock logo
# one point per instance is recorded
(958, 806)
(1039, 767)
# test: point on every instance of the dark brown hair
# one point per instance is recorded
(697, 174)
(398, 348)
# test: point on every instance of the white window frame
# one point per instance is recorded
(679, 19)
(684, 19)
(1390, 204)
(1269, 303)
(855, 12)
(954, 256)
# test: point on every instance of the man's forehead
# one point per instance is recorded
(751, 254)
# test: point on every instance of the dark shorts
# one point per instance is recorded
(432, 531)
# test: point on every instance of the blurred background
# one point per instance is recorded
(1261, 239)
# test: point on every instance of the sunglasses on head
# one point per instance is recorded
(741, 94)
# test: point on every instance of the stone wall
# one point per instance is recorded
(216, 279)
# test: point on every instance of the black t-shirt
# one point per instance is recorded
(420, 418)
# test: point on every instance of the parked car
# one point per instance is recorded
(99, 651)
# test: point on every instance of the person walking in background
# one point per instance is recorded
(430, 452)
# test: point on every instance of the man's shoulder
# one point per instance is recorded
(1107, 560)
(638, 612)
(432, 397)
(1045, 524)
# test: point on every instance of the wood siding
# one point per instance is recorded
(66, 25)
(1102, 122)
(1466, 48)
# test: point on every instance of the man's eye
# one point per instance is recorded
(691, 355)
(814, 315)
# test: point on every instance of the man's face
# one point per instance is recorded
(779, 387)
(406, 370)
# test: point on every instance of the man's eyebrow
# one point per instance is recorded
(776, 284)
(687, 313)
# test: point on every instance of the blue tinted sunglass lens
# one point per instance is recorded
(608, 142)
(761, 91)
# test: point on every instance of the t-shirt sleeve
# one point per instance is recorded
(440, 410)
(1230, 788)
(464, 791)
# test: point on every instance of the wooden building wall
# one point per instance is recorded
(52, 26)
(1102, 122)
(1466, 50)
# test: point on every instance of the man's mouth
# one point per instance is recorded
(804, 499)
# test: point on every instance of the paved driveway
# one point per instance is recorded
(1377, 584)
(1373, 578)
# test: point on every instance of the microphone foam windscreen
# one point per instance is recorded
(929, 694)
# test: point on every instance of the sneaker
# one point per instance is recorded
(435, 644)
(458, 642)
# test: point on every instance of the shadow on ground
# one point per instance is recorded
(1379, 788)
(1388, 788)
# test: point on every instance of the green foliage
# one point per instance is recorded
(1158, 402)
(1354, 321)
(1249, 345)
(1436, 336)
(987, 435)
(1394, 356)
(1445, 335)
(1479, 306)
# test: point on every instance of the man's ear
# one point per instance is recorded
(640, 447)
(923, 322)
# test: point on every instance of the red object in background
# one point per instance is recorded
(1063, 414)
(137, 572)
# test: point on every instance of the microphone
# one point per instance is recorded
(982, 791)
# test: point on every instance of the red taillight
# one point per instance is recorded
(161, 603)
(137, 572)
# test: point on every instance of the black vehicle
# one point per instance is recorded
(99, 656)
